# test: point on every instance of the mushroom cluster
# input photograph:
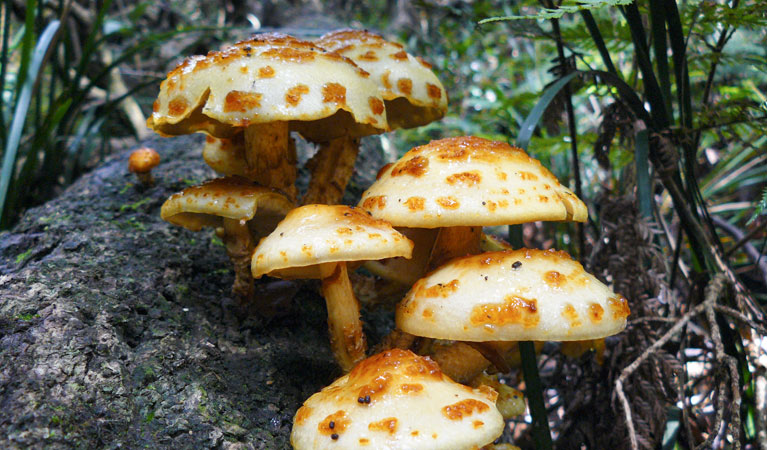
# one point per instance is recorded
(469, 297)
(249, 97)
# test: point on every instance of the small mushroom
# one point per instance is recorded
(397, 400)
(316, 242)
(231, 205)
(520, 295)
(141, 162)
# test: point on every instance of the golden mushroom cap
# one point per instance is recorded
(269, 78)
(313, 235)
(520, 295)
(231, 198)
(397, 400)
(469, 181)
(143, 159)
(413, 94)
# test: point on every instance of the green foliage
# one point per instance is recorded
(761, 207)
(63, 97)
(560, 10)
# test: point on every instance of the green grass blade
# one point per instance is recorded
(596, 36)
(651, 87)
(678, 50)
(4, 68)
(20, 112)
(660, 48)
(27, 45)
(534, 394)
(642, 161)
(527, 128)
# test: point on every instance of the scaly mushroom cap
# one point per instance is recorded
(313, 235)
(397, 400)
(269, 78)
(525, 295)
(469, 181)
(231, 197)
(413, 94)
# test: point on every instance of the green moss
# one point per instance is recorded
(125, 189)
(215, 240)
(136, 205)
(22, 256)
(27, 317)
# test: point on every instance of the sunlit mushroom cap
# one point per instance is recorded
(469, 181)
(413, 94)
(397, 400)
(268, 78)
(526, 295)
(232, 198)
(313, 235)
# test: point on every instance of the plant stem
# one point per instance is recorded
(573, 134)
(534, 394)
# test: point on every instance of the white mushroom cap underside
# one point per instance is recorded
(230, 197)
(412, 406)
(469, 181)
(265, 79)
(397, 73)
(317, 234)
(524, 294)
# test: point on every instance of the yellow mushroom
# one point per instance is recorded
(397, 400)
(230, 204)
(263, 88)
(316, 242)
(520, 295)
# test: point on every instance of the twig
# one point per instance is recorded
(715, 287)
(748, 248)
(742, 317)
(746, 237)
(731, 364)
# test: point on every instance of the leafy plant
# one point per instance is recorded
(659, 88)
(65, 93)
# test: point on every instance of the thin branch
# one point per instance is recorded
(712, 293)
(741, 317)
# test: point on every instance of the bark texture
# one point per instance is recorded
(118, 329)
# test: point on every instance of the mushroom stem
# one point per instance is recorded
(395, 339)
(347, 339)
(271, 156)
(331, 168)
(239, 246)
(452, 242)
(462, 362)
(146, 179)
